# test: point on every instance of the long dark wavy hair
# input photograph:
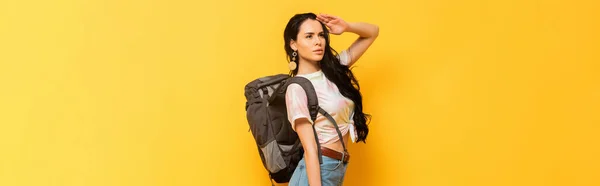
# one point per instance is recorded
(337, 73)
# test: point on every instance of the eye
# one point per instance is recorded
(309, 36)
(322, 35)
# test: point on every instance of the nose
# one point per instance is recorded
(318, 42)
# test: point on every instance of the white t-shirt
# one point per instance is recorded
(330, 99)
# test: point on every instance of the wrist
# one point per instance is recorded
(351, 27)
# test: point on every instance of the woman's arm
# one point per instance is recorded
(311, 157)
(367, 34)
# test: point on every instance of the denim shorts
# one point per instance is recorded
(332, 173)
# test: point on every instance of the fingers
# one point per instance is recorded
(323, 19)
(327, 16)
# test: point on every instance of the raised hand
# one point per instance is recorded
(335, 24)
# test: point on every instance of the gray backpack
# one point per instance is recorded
(278, 145)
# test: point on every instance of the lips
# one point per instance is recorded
(318, 51)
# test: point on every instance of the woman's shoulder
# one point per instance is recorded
(294, 88)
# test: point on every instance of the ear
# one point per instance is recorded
(293, 45)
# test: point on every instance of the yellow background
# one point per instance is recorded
(462, 92)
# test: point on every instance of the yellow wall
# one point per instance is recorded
(463, 92)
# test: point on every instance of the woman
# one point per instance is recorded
(307, 45)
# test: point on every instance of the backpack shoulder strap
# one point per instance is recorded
(313, 104)
(337, 129)
(313, 108)
(311, 94)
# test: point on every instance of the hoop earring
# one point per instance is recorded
(292, 65)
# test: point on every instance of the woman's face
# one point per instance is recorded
(310, 42)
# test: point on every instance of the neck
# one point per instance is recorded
(307, 67)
